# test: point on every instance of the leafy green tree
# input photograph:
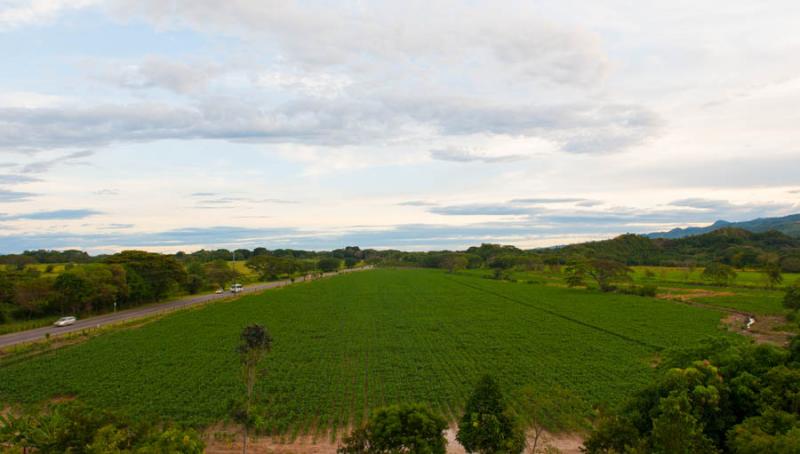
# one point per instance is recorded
(72, 290)
(329, 264)
(220, 272)
(486, 426)
(159, 273)
(269, 267)
(791, 300)
(775, 432)
(608, 272)
(676, 430)
(33, 295)
(772, 274)
(255, 343)
(399, 428)
(196, 278)
(719, 274)
(454, 262)
(555, 409)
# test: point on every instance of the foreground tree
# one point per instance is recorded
(397, 429)
(486, 426)
(555, 409)
(255, 343)
(791, 300)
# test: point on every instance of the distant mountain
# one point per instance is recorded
(788, 225)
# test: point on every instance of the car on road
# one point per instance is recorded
(65, 321)
(236, 288)
(219, 291)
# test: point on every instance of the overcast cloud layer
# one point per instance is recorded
(412, 125)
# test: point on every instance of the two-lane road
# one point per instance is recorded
(22, 337)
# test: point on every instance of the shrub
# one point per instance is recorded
(792, 298)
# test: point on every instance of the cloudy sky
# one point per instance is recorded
(175, 125)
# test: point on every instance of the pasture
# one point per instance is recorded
(349, 344)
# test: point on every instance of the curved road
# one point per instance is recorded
(22, 337)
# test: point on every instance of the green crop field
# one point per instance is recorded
(355, 342)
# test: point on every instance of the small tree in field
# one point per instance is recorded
(399, 428)
(486, 426)
(255, 342)
(454, 262)
(719, 274)
(772, 274)
(607, 272)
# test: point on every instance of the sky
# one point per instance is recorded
(415, 125)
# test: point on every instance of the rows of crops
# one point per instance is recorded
(354, 342)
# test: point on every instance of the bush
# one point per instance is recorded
(640, 290)
(399, 428)
(792, 298)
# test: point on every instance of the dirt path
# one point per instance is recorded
(232, 444)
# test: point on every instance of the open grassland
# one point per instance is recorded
(349, 344)
(746, 294)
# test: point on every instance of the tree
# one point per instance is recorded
(72, 290)
(608, 272)
(486, 426)
(269, 267)
(329, 264)
(220, 272)
(255, 343)
(399, 428)
(454, 262)
(719, 273)
(155, 274)
(772, 274)
(791, 300)
(576, 274)
(33, 295)
(555, 409)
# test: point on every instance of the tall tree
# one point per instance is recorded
(255, 343)
(486, 426)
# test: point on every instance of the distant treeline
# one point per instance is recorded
(29, 287)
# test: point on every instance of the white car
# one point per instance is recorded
(219, 291)
(236, 288)
(65, 321)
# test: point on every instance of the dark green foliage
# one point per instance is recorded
(486, 426)
(159, 273)
(792, 298)
(740, 398)
(329, 264)
(399, 429)
(719, 274)
(270, 268)
(75, 427)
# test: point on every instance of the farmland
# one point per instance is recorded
(349, 344)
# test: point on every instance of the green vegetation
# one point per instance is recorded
(486, 426)
(399, 428)
(74, 427)
(717, 397)
(361, 341)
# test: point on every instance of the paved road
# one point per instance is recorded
(22, 337)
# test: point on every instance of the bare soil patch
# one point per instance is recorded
(230, 442)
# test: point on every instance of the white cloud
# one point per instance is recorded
(17, 13)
